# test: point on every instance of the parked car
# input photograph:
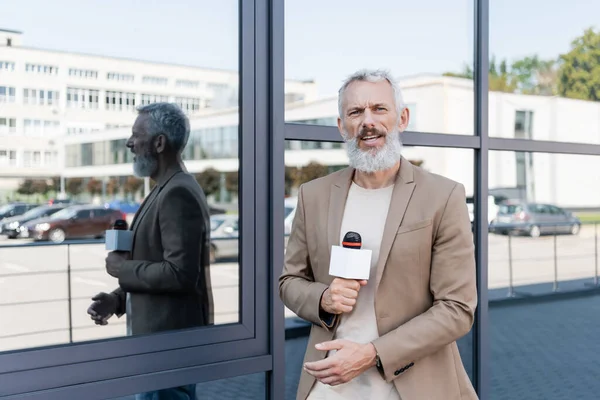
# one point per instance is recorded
(534, 219)
(15, 209)
(492, 209)
(74, 222)
(224, 234)
(12, 227)
(126, 206)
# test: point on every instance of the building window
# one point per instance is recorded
(40, 97)
(188, 104)
(120, 101)
(82, 98)
(7, 94)
(115, 76)
(185, 83)
(153, 98)
(41, 69)
(8, 157)
(8, 125)
(524, 161)
(83, 73)
(7, 66)
(51, 158)
(154, 80)
(32, 159)
(37, 127)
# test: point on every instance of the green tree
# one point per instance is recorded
(309, 172)
(579, 72)
(94, 186)
(132, 185)
(209, 180)
(232, 181)
(74, 186)
(26, 187)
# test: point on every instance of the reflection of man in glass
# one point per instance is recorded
(164, 282)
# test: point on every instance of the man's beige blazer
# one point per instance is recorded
(426, 295)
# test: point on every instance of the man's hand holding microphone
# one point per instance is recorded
(350, 359)
(340, 297)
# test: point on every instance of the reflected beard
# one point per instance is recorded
(145, 165)
(373, 160)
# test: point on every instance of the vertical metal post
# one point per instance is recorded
(511, 291)
(595, 253)
(481, 330)
(69, 293)
(276, 80)
(555, 285)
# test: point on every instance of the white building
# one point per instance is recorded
(69, 115)
(47, 97)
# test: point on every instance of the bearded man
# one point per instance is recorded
(164, 281)
(394, 335)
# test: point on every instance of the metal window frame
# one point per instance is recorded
(123, 366)
(128, 365)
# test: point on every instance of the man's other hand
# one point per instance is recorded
(114, 260)
(349, 361)
(103, 307)
(340, 297)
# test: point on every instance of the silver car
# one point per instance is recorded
(224, 234)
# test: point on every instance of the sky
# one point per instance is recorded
(325, 40)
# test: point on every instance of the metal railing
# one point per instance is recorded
(554, 257)
(69, 275)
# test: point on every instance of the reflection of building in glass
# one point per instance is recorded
(69, 115)
(47, 96)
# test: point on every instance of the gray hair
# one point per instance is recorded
(372, 76)
(168, 119)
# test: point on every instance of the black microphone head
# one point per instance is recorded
(352, 240)
(120, 225)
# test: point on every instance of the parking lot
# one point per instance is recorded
(34, 284)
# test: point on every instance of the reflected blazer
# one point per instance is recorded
(425, 281)
(168, 276)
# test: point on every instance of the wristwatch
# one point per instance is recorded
(378, 363)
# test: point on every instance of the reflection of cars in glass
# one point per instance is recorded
(534, 219)
(12, 227)
(125, 206)
(73, 222)
(224, 234)
(15, 209)
(492, 209)
(289, 213)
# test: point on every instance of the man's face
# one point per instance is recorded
(371, 125)
(142, 145)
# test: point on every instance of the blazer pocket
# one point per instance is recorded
(413, 227)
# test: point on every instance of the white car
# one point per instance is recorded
(492, 209)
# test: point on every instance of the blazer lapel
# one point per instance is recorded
(403, 190)
(337, 201)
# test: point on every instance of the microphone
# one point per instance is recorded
(118, 238)
(352, 240)
(350, 260)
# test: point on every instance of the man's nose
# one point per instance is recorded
(129, 143)
(368, 120)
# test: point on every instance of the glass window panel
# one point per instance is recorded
(98, 166)
(545, 88)
(251, 386)
(306, 161)
(543, 239)
(434, 68)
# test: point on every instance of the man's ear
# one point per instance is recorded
(160, 143)
(404, 119)
(340, 126)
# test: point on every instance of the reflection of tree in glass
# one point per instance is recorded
(112, 186)
(94, 186)
(232, 181)
(74, 186)
(574, 75)
(132, 185)
(309, 172)
(209, 180)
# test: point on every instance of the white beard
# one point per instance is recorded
(374, 160)
(144, 166)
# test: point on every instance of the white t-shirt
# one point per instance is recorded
(365, 212)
